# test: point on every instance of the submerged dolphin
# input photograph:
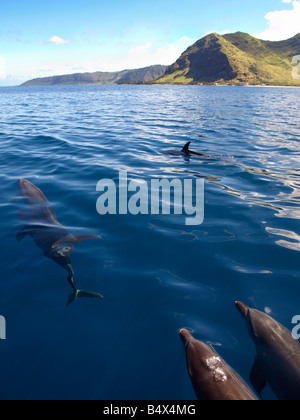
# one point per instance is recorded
(278, 355)
(211, 377)
(48, 234)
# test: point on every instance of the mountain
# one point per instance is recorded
(146, 74)
(234, 59)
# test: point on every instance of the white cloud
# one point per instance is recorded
(147, 55)
(137, 57)
(57, 40)
(282, 24)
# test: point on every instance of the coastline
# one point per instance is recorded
(153, 84)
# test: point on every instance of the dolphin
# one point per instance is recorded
(48, 234)
(185, 151)
(278, 355)
(212, 378)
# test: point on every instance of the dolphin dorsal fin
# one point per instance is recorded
(186, 148)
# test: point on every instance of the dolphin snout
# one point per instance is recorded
(23, 183)
(244, 309)
(185, 336)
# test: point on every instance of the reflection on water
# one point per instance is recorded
(294, 245)
(272, 180)
(275, 188)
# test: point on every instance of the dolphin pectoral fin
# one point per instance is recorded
(20, 235)
(74, 239)
(82, 293)
(23, 232)
(82, 238)
(186, 148)
(65, 239)
(257, 377)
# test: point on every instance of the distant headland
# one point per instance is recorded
(146, 74)
(232, 59)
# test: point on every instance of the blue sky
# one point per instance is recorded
(45, 38)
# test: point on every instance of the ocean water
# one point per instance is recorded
(156, 273)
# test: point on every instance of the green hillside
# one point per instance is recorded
(234, 59)
(145, 74)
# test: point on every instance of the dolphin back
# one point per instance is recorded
(212, 378)
(38, 210)
(277, 359)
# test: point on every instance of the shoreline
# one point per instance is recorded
(155, 84)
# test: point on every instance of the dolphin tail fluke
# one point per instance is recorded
(186, 148)
(82, 293)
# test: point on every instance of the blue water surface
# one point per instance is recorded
(157, 274)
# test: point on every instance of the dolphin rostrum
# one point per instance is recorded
(212, 378)
(278, 355)
(48, 234)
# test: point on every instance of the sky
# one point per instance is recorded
(39, 39)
